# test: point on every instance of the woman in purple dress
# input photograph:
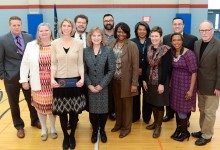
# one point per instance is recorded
(183, 85)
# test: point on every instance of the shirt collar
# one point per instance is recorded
(14, 36)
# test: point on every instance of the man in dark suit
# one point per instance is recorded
(207, 51)
(188, 42)
(12, 46)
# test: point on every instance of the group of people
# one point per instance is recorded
(105, 73)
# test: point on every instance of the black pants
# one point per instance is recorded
(98, 120)
(146, 108)
(13, 92)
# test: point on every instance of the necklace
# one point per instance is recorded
(176, 59)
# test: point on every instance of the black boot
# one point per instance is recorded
(94, 136)
(103, 136)
(185, 133)
(177, 132)
(178, 128)
(94, 119)
(102, 122)
(73, 124)
(66, 143)
(63, 123)
(157, 130)
(155, 113)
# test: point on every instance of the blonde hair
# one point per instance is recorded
(92, 30)
(69, 21)
(38, 28)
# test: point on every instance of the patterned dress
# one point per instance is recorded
(180, 83)
(42, 99)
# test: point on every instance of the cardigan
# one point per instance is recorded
(70, 64)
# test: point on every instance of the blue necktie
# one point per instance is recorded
(18, 43)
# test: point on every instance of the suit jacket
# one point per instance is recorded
(208, 67)
(129, 69)
(99, 70)
(10, 60)
(30, 66)
(188, 40)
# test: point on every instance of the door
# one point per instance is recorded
(214, 17)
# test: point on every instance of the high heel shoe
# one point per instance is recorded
(176, 133)
(183, 136)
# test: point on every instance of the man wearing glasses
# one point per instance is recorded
(81, 22)
(188, 42)
(207, 51)
(108, 23)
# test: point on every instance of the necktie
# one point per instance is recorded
(18, 43)
(80, 36)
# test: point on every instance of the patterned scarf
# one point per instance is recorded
(154, 59)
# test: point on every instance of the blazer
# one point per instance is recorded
(208, 67)
(30, 66)
(188, 40)
(10, 60)
(130, 66)
(99, 70)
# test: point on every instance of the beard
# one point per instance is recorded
(109, 26)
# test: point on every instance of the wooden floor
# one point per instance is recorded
(138, 139)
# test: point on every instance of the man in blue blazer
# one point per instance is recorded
(12, 46)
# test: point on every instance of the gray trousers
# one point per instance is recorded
(208, 106)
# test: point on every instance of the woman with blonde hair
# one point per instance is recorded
(67, 79)
(36, 63)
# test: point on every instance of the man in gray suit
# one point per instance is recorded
(207, 51)
(12, 46)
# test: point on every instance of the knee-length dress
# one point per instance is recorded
(42, 99)
(180, 83)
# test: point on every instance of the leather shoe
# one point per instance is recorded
(115, 129)
(201, 141)
(103, 136)
(197, 134)
(20, 133)
(124, 133)
(112, 116)
(94, 137)
(167, 118)
(37, 125)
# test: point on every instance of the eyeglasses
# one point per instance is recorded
(106, 21)
(206, 30)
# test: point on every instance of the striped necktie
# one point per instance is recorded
(18, 43)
